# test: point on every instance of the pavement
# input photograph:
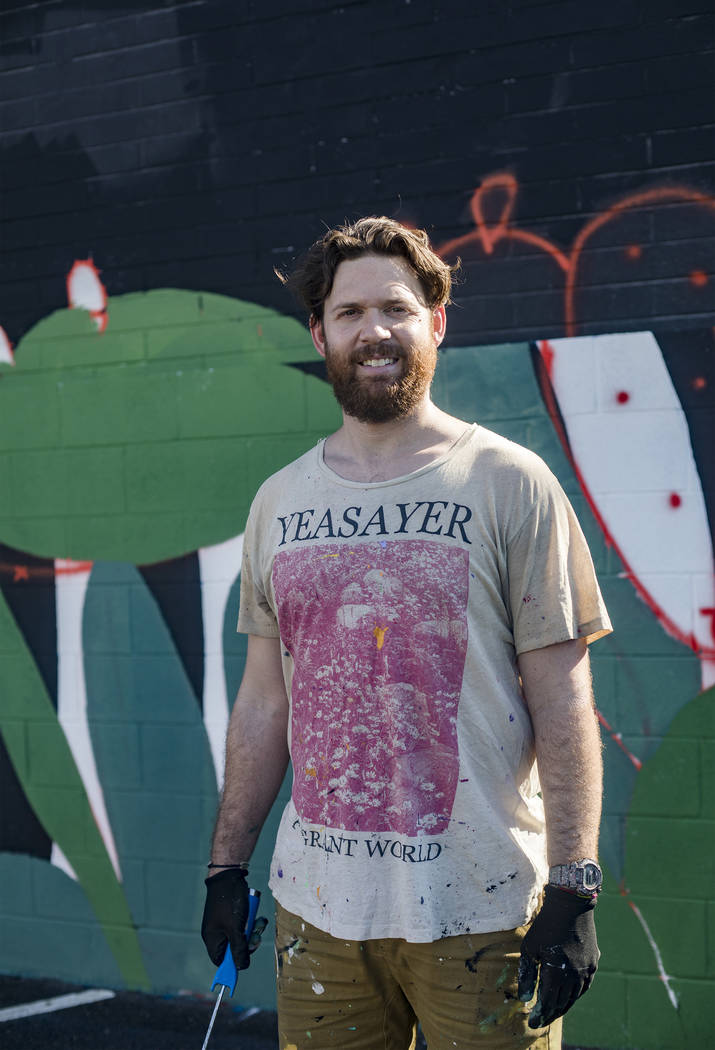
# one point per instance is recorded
(127, 1020)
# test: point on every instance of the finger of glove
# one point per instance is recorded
(216, 944)
(239, 951)
(587, 982)
(213, 936)
(528, 972)
(258, 930)
(559, 988)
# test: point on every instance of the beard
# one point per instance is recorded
(381, 399)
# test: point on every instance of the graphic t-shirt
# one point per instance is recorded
(401, 607)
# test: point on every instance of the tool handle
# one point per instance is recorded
(227, 974)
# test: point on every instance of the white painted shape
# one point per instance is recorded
(59, 860)
(632, 451)
(70, 593)
(219, 567)
(85, 288)
(654, 537)
(632, 363)
(59, 1002)
(707, 672)
(574, 365)
(631, 458)
(6, 354)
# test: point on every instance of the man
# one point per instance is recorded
(418, 597)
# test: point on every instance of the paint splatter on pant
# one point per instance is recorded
(369, 995)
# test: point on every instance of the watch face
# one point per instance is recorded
(591, 876)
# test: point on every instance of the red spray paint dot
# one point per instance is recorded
(634, 251)
(622, 397)
(699, 383)
(698, 278)
(675, 500)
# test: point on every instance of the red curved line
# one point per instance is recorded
(540, 242)
(660, 193)
(475, 237)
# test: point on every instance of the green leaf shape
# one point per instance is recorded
(149, 440)
(48, 925)
(642, 677)
(47, 771)
(669, 875)
(154, 762)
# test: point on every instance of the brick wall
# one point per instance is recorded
(564, 151)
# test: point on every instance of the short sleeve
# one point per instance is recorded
(255, 616)
(553, 590)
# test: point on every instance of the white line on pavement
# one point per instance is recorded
(60, 1002)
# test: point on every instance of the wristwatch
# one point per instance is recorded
(580, 876)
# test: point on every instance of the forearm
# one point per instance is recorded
(256, 760)
(557, 686)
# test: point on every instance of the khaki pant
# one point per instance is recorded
(369, 995)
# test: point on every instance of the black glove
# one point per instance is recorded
(562, 938)
(225, 915)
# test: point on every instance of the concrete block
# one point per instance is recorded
(599, 1018)
(663, 853)
(171, 758)
(38, 483)
(654, 1024)
(107, 622)
(18, 430)
(94, 481)
(707, 777)
(175, 896)
(674, 782)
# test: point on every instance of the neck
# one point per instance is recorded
(382, 451)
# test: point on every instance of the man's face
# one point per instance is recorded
(379, 338)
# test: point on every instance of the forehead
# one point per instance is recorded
(374, 278)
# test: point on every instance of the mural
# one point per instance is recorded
(134, 431)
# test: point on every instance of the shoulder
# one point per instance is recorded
(289, 478)
(507, 459)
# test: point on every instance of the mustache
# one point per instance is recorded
(368, 353)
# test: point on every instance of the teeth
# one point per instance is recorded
(378, 362)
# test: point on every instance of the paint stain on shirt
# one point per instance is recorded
(379, 635)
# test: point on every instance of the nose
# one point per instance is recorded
(373, 328)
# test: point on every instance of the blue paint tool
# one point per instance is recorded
(227, 974)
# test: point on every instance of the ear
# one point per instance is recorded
(317, 334)
(439, 320)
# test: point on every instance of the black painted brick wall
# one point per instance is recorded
(197, 144)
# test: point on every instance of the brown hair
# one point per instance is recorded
(312, 279)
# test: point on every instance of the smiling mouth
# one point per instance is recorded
(379, 362)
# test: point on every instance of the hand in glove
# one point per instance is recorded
(225, 915)
(561, 949)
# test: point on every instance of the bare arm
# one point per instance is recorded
(256, 753)
(557, 687)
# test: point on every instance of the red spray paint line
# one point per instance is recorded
(618, 739)
(496, 194)
(24, 573)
